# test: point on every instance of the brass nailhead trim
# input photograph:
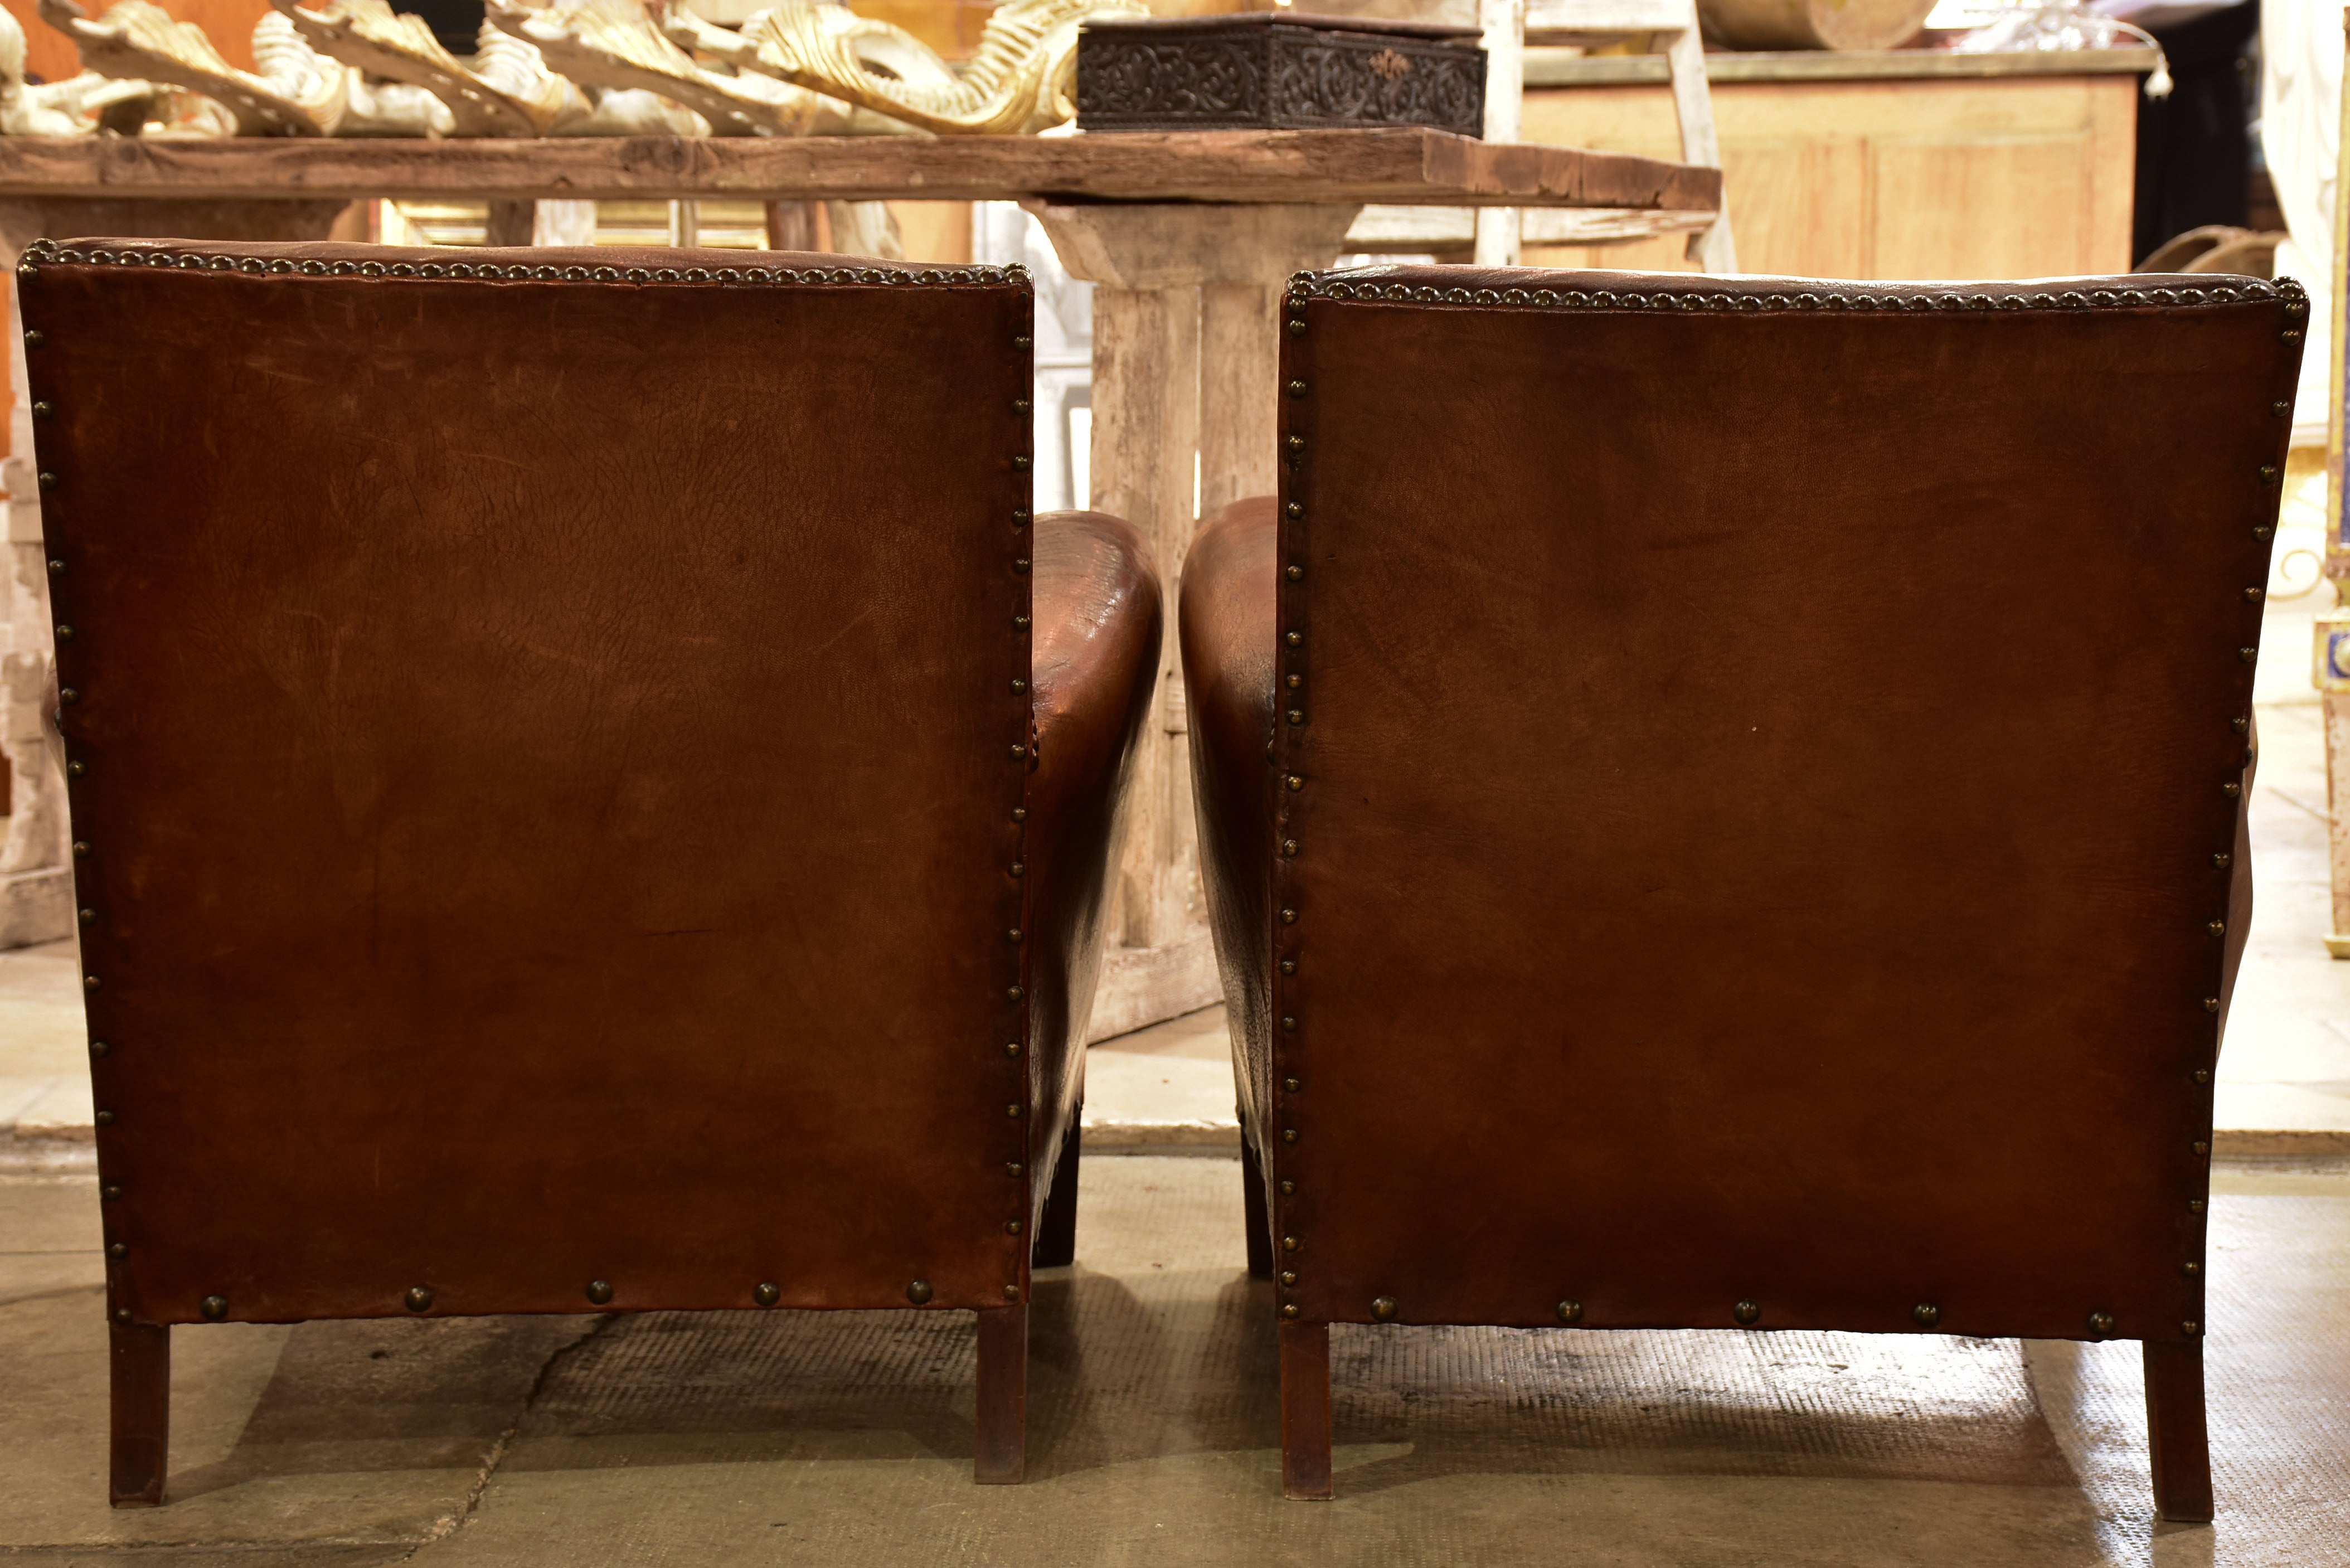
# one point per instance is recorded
(1570, 1310)
(2101, 1323)
(1697, 296)
(599, 1290)
(765, 1293)
(919, 1293)
(214, 1308)
(1926, 1313)
(1383, 1309)
(418, 1299)
(1748, 1313)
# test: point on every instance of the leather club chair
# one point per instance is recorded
(563, 820)
(1723, 805)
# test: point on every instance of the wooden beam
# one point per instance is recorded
(1421, 167)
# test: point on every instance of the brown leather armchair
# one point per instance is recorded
(562, 817)
(1723, 805)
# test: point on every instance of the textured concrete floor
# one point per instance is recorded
(785, 1437)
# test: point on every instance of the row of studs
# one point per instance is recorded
(1290, 702)
(1293, 678)
(419, 1298)
(1696, 296)
(1024, 756)
(42, 252)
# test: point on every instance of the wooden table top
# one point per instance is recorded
(1425, 168)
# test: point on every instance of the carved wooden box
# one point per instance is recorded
(1277, 71)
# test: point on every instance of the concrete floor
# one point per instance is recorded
(789, 1438)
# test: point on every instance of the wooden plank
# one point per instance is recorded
(1568, 68)
(1424, 167)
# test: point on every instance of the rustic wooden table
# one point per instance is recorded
(1189, 238)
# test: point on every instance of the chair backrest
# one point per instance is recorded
(1764, 767)
(546, 739)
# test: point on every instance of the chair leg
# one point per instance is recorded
(1002, 1444)
(1305, 1411)
(139, 1357)
(1255, 1212)
(2180, 1442)
(1056, 1230)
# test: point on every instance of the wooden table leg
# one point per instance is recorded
(1185, 364)
(2177, 1438)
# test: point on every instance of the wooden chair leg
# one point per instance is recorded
(1305, 1411)
(1001, 1447)
(2180, 1441)
(140, 1366)
(1056, 1230)
(1256, 1213)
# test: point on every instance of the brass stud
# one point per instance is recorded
(1289, 966)
(1293, 782)
(2241, 722)
(85, 916)
(599, 1290)
(1011, 1111)
(1289, 1276)
(2201, 1147)
(1018, 686)
(1021, 566)
(1020, 464)
(2191, 1328)
(1296, 390)
(117, 1251)
(1289, 1024)
(1747, 1314)
(1570, 1310)
(56, 567)
(108, 1194)
(1012, 1048)
(1011, 1293)
(1018, 751)
(1013, 935)
(1288, 917)
(1013, 1167)
(1289, 1190)
(2231, 790)
(2289, 335)
(76, 768)
(1296, 328)
(33, 338)
(1012, 1227)
(100, 1047)
(2262, 530)
(1926, 1313)
(2101, 1323)
(1020, 518)
(1296, 509)
(1295, 638)
(2195, 1206)
(104, 1118)
(47, 481)
(1021, 621)
(1289, 847)
(1019, 405)
(2254, 595)
(1289, 1135)
(122, 1314)
(1297, 443)
(1289, 1310)
(67, 694)
(1297, 574)
(418, 1299)
(2268, 474)
(214, 1308)
(2191, 1270)
(1290, 1085)
(2217, 928)
(1019, 813)
(1297, 715)
(2248, 654)
(1292, 1244)
(2202, 1074)
(2210, 1004)
(43, 410)
(1021, 341)
(65, 633)
(919, 1293)
(1015, 993)
(90, 983)
(2281, 408)
(765, 1293)
(1383, 1309)
(2219, 861)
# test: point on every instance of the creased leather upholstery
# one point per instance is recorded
(1770, 760)
(553, 753)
